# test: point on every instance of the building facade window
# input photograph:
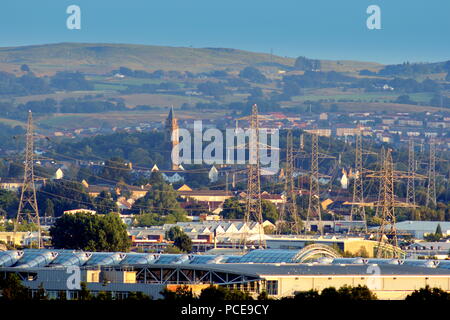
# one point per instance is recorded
(272, 287)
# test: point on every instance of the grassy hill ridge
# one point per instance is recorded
(98, 57)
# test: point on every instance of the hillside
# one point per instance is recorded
(99, 58)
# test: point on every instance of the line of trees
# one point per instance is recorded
(12, 289)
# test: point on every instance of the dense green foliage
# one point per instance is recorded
(305, 64)
(143, 149)
(65, 195)
(83, 231)
(345, 293)
(234, 209)
(12, 288)
(428, 295)
(160, 199)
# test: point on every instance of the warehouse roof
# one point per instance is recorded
(256, 262)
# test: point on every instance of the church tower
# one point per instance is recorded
(172, 133)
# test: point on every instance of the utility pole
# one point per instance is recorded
(314, 191)
(253, 201)
(358, 191)
(28, 206)
(410, 189)
(431, 189)
(289, 214)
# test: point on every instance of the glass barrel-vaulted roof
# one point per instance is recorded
(269, 256)
(202, 259)
(36, 258)
(138, 258)
(9, 258)
(232, 259)
(444, 264)
(169, 258)
(71, 258)
(105, 258)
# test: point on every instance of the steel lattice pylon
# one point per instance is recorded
(381, 160)
(289, 214)
(410, 189)
(431, 188)
(253, 208)
(358, 190)
(28, 206)
(387, 232)
(314, 191)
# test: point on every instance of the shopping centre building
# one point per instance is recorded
(279, 272)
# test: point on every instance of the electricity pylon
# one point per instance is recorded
(387, 204)
(358, 190)
(381, 160)
(28, 206)
(289, 214)
(431, 188)
(387, 232)
(314, 191)
(314, 206)
(410, 189)
(253, 208)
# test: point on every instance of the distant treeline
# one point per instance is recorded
(28, 84)
(410, 69)
(87, 104)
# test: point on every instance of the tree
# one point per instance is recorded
(183, 242)
(70, 81)
(65, 195)
(84, 294)
(183, 293)
(213, 294)
(41, 293)
(12, 288)
(263, 295)
(269, 211)
(161, 199)
(83, 231)
(233, 209)
(438, 231)
(116, 169)
(138, 296)
(252, 74)
(215, 89)
(305, 64)
(25, 68)
(307, 296)
(436, 236)
(173, 233)
(104, 203)
(104, 296)
(428, 295)
(49, 208)
(8, 202)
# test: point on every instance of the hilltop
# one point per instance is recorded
(100, 58)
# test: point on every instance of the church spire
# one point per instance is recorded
(172, 131)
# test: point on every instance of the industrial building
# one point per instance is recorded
(419, 229)
(278, 272)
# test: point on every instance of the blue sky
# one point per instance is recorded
(412, 30)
